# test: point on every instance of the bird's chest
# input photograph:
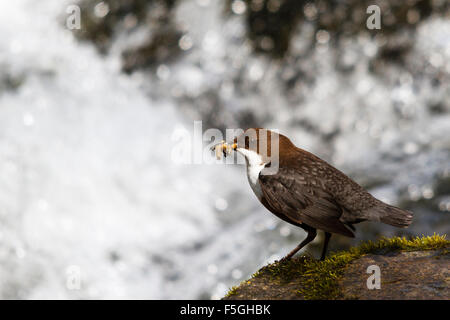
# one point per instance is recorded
(253, 178)
(254, 166)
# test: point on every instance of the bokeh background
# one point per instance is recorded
(87, 119)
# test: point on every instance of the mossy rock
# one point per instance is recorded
(417, 268)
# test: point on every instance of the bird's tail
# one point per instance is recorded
(395, 216)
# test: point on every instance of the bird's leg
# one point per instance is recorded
(325, 245)
(310, 237)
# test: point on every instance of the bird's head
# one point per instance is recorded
(257, 145)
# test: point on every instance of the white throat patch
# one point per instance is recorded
(254, 166)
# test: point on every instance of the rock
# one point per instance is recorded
(404, 275)
(409, 269)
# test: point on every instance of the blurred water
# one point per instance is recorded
(86, 177)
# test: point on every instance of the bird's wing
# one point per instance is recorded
(288, 193)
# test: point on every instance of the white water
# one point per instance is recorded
(86, 176)
(85, 173)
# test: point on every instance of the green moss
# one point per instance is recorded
(319, 279)
(232, 291)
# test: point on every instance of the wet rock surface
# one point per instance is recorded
(412, 275)
(404, 275)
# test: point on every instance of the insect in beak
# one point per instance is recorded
(223, 148)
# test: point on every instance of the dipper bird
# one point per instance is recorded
(306, 191)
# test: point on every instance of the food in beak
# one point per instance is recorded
(222, 148)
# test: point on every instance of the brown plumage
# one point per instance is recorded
(308, 192)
